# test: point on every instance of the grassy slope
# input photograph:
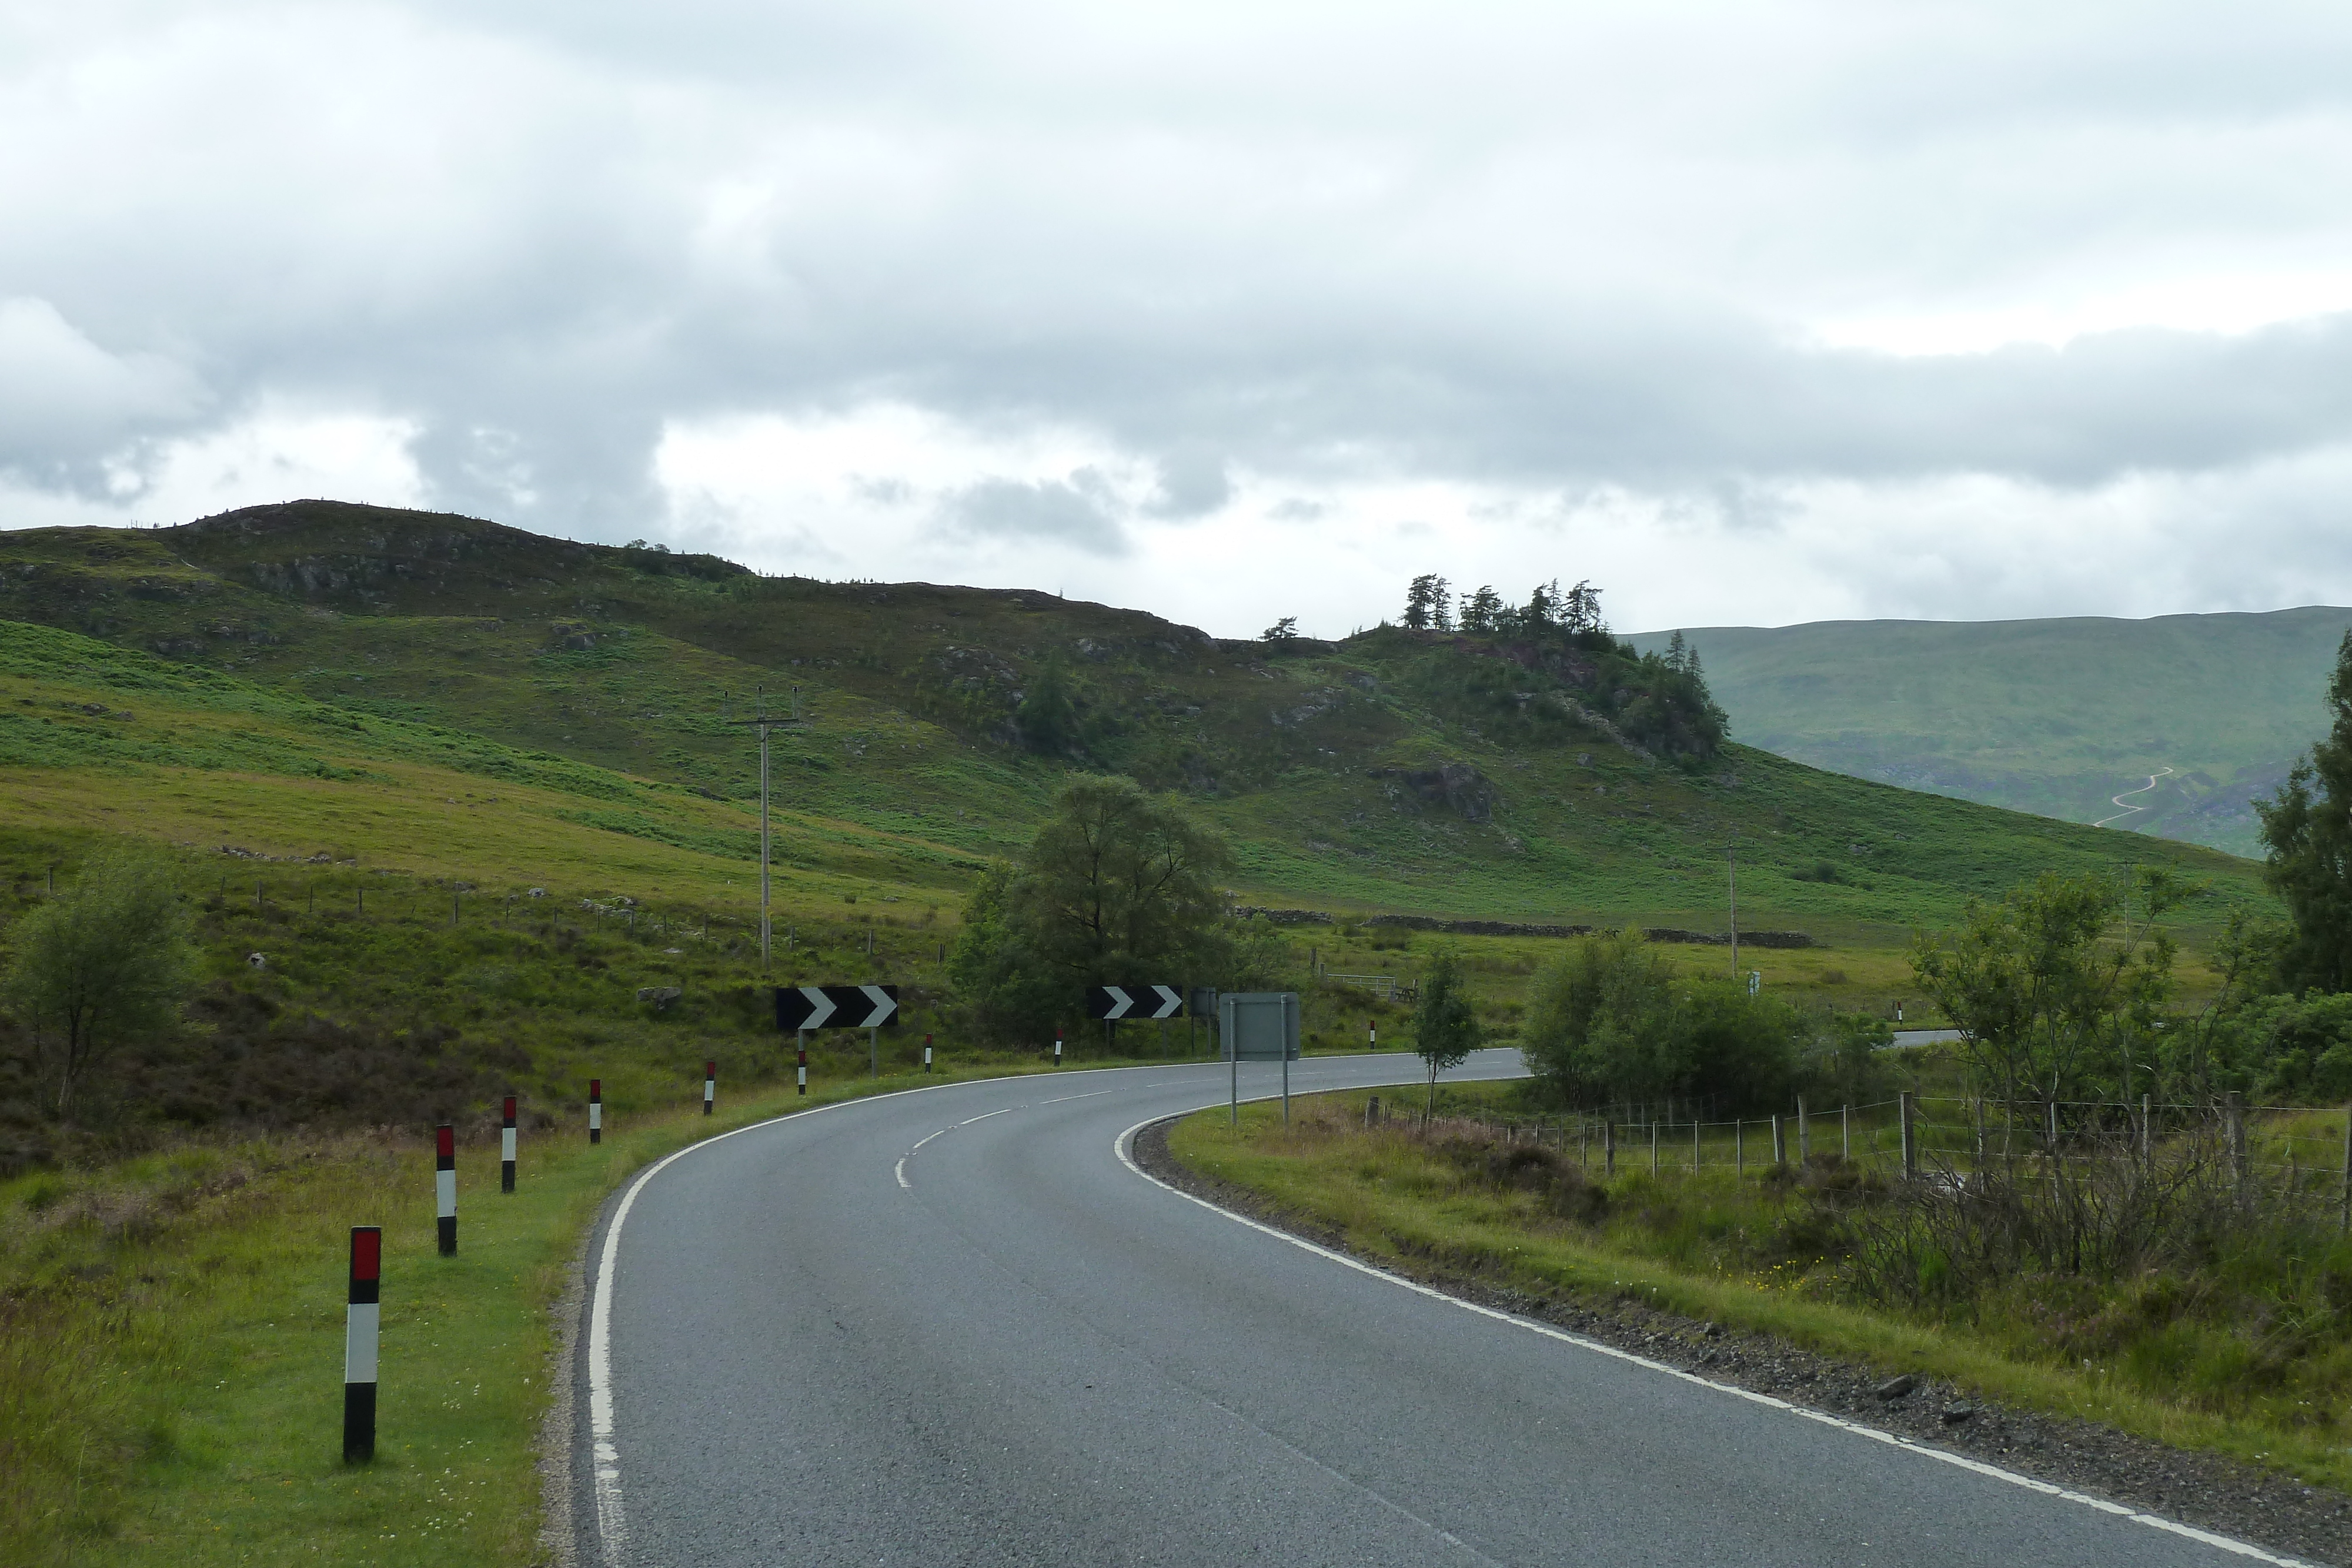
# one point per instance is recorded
(637, 663)
(2053, 716)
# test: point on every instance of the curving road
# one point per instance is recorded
(2132, 810)
(956, 1326)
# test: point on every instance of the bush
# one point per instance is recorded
(1609, 1023)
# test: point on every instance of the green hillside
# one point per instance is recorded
(2052, 716)
(450, 695)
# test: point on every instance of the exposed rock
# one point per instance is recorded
(1459, 788)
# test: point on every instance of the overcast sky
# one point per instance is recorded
(1750, 314)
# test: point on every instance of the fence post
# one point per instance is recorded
(1738, 1148)
(1980, 1132)
(1804, 1138)
(1780, 1141)
(2344, 1204)
(1845, 1134)
(2146, 1145)
(1653, 1150)
(1695, 1132)
(1609, 1147)
(2234, 1109)
(1910, 1143)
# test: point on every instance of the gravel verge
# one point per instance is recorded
(2209, 1490)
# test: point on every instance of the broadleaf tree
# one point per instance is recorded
(1445, 1021)
(1118, 886)
(98, 967)
(2307, 829)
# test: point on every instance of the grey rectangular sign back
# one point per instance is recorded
(1258, 1026)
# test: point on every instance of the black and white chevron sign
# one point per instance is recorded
(836, 1006)
(1134, 1002)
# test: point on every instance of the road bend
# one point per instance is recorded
(956, 1326)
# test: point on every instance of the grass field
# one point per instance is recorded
(2246, 1356)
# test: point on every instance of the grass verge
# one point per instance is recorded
(1699, 1245)
(170, 1342)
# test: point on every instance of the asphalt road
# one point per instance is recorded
(956, 1327)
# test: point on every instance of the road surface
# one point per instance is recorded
(957, 1327)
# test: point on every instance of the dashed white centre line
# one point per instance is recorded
(1086, 1096)
(900, 1172)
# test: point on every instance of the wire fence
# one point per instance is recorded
(2301, 1156)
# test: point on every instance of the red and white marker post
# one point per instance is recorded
(445, 1186)
(361, 1319)
(507, 1148)
(927, 1053)
(803, 1067)
(710, 1086)
(595, 1109)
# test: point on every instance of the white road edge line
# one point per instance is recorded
(1124, 1147)
(612, 1521)
(1069, 1097)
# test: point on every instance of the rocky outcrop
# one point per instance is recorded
(1457, 787)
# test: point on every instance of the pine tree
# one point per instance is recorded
(1482, 612)
(1441, 608)
(1420, 601)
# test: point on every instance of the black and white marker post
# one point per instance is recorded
(359, 1322)
(803, 1067)
(1057, 1048)
(926, 1062)
(595, 1109)
(445, 1186)
(507, 1147)
(1372, 1032)
(710, 1086)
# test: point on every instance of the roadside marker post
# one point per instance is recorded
(927, 1053)
(710, 1086)
(1372, 1032)
(361, 1320)
(1058, 1046)
(803, 1035)
(595, 1109)
(507, 1147)
(445, 1188)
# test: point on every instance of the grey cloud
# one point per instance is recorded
(1193, 483)
(572, 289)
(65, 400)
(1075, 514)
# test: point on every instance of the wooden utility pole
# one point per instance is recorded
(765, 724)
(1731, 859)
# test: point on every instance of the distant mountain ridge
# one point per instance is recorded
(2056, 717)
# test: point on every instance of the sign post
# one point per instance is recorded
(1259, 1026)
